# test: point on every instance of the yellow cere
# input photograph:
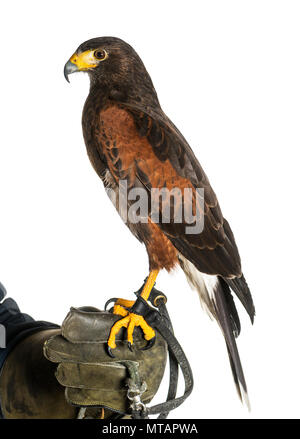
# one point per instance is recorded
(84, 60)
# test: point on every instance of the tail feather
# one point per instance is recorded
(241, 289)
(233, 314)
(223, 318)
(215, 296)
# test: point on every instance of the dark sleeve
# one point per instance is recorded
(15, 325)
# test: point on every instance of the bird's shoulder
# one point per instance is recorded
(137, 128)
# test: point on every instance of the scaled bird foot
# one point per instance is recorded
(122, 307)
(130, 321)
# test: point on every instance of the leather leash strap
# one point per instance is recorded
(160, 321)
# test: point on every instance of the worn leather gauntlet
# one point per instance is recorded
(28, 388)
(90, 376)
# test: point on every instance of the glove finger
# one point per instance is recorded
(104, 376)
(109, 377)
(57, 349)
(88, 326)
(116, 401)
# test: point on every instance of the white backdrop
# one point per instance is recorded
(228, 74)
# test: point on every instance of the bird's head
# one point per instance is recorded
(112, 65)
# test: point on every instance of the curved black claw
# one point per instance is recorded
(109, 351)
(129, 346)
(113, 300)
(149, 344)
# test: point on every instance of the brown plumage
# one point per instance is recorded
(128, 137)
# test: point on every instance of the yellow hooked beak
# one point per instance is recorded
(80, 62)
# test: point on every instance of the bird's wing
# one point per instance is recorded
(153, 152)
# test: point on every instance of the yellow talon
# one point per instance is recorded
(125, 302)
(130, 322)
(118, 309)
(121, 305)
(115, 329)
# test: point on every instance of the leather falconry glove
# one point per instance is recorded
(90, 376)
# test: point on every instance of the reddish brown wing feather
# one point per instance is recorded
(137, 146)
(214, 251)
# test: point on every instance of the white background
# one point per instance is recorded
(228, 74)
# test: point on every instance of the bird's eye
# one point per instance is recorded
(100, 54)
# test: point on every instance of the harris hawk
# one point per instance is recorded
(129, 138)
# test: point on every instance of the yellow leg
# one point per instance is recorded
(131, 320)
(149, 284)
